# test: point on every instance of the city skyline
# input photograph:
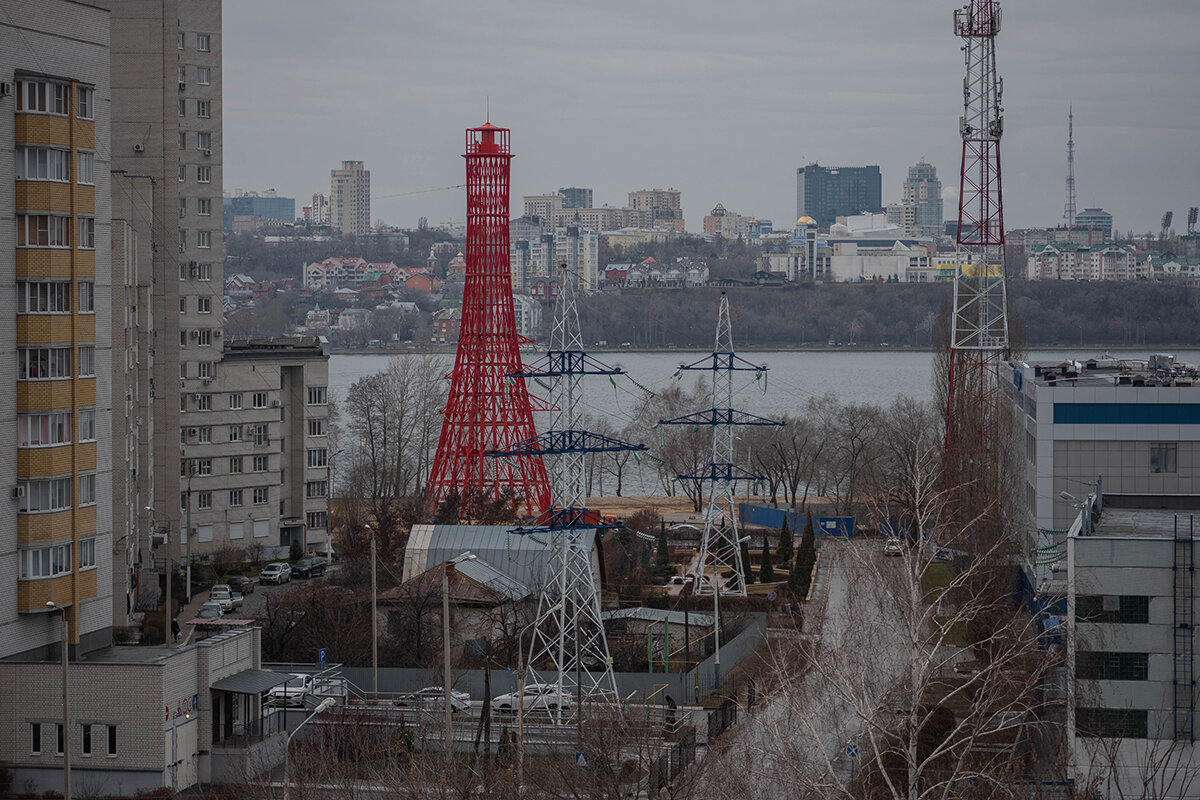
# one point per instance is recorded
(640, 97)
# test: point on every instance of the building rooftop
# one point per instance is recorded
(1155, 523)
(1109, 370)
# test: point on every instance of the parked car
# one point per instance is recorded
(222, 596)
(892, 547)
(434, 697)
(210, 610)
(537, 697)
(291, 693)
(275, 572)
(942, 555)
(240, 583)
(309, 567)
(684, 529)
(237, 599)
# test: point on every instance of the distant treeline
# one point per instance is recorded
(1050, 313)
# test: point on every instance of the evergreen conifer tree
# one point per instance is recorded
(747, 572)
(787, 549)
(766, 570)
(806, 557)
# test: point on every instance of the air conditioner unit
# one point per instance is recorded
(208, 381)
(18, 491)
(195, 334)
(139, 148)
(217, 333)
(194, 271)
(192, 433)
(5, 88)
(182, 85)
(205, 151)
(198, 396)
(274, 404)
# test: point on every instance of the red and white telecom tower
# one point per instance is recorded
(488, 408)
(979, 341)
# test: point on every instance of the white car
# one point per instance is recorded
(275, 572)
(434, 697)
(291, 693)
(222, 596)
(537, 697)
(892, 547)
(210, 610)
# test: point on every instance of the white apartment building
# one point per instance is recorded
(350, 199)
(1073, 262)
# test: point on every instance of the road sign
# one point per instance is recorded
(771, 596)
(581, 760)
(852, 750)
(321, 656)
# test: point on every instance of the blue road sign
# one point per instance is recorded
(321, 656)
(852, 750)
(581, 760)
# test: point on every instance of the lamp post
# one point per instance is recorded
(446, 651)
(66, 709)
(374, 621)
(324, 705)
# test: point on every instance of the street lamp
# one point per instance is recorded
(374, 620)
(446, 649)
(324, 705)
(66, 723)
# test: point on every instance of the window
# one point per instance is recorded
(1111, 666)
(316, 426)
(204, 239)
(183, 140)
(235, 465)
(204, 500)
(260, 496)
(235, 433)
(204, 466)
(87, 489)
(86, 746)
(317, 519)
(43, 297)
(204, 272)
(317, 395)
(203, 109)
(203, 140)
(204, 174)
(260, 399)
(202, 42)
(318, 458)
(313, 489)
(43, 164)
(180, 40)
(261, 434)
(87, 297)
(46, 494)
(204, 435)
(182, 74)
(204, 207)
(43, 363)
(203, 75)
(87, 553)
(87, 424)
(204, 305)
(183, 343)
(182, 207)
(112, 729)
(42, 97)
(235, 497)
(182, 107)
(86, 167)
(1163, 456)
(87, 233)
(35, 738)
(44, 430)
(182, 173)
(43, 230)
(87, 360)
(182, 240)
(203, 369)
(1123, 723)
(59, 731)
(235, 401)
(204, 337)
(85, 103)
(183, 305)
(1124, 609)
(260, 463)
(237, 530)
(45, 562)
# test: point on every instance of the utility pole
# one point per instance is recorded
(446, 657)
(374, 624)
(188, 534)
(66, 710)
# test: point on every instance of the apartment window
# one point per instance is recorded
(203, 207)
(203, 75)
(182, 173)
(87, 553)
(87, 233)
(85, 103)
(260, 399)
(35, 738)
(1111, 666)
(43, 297)
(1123, 609)
(44, 430)
(46, 494)
(87, 297)
(204, 239)
(180, 40)
(317, 395)
(43, 164)
(182, 74)
(202, 42)
(260, 496)
(182, 238)
(87, 424)
(87, 489)
(316, 426)
(183, 405)
(318, 458)
(204, 500)
(182, 107)
(235, 497)
(43, 230)
(317, 519)
(203, 141)
(87, 360)
(204, 435)
(235, 433)
(59, 739)
(260, 463)
(203, 369)
(204, 305)
(205, 337)
(204, 402)
(235, 401)
(314, 489)
(203, 109)
(235, 465)
(204, 174)
(112, 741)
(86, 745)
(261, 434)
(183, 140)
(183, 343)
(204, 272)
(43, 363)
(1163, 457)
(1111, 723)
(204, 466)
(43, 97)
(182, 207)
(45, 562)
(86, 163)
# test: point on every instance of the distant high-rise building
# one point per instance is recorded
(271, 208)
(923, 191)
(1095, 219)
(664, 204)
(350, 199)
(574, 197)
(826, 193)
(320, 209)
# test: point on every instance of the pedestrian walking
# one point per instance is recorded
(175, 628)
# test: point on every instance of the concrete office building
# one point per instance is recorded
(923, 193)
(1095, 219)
(575, 197)
(350, 199)
(270, 207)
(826, 193)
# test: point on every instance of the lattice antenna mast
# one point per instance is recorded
(720, 543)
(979, 336)
(1069, 211)
(488, 408)
(568, 641)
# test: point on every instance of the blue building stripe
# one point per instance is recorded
(1127, 413)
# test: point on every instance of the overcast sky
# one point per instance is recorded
(721, 100)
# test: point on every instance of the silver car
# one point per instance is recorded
(275, 572)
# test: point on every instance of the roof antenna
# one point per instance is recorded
(488, 112)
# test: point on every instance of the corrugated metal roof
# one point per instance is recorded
(658, 615)
(477, 569)
(251, 681)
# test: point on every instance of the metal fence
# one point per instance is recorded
(673, 761)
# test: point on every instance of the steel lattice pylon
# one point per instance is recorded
(979, 329)
(568, 645)
(720, 542)
(488, 408)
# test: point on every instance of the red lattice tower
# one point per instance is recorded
(979, 341)
(488, 408)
